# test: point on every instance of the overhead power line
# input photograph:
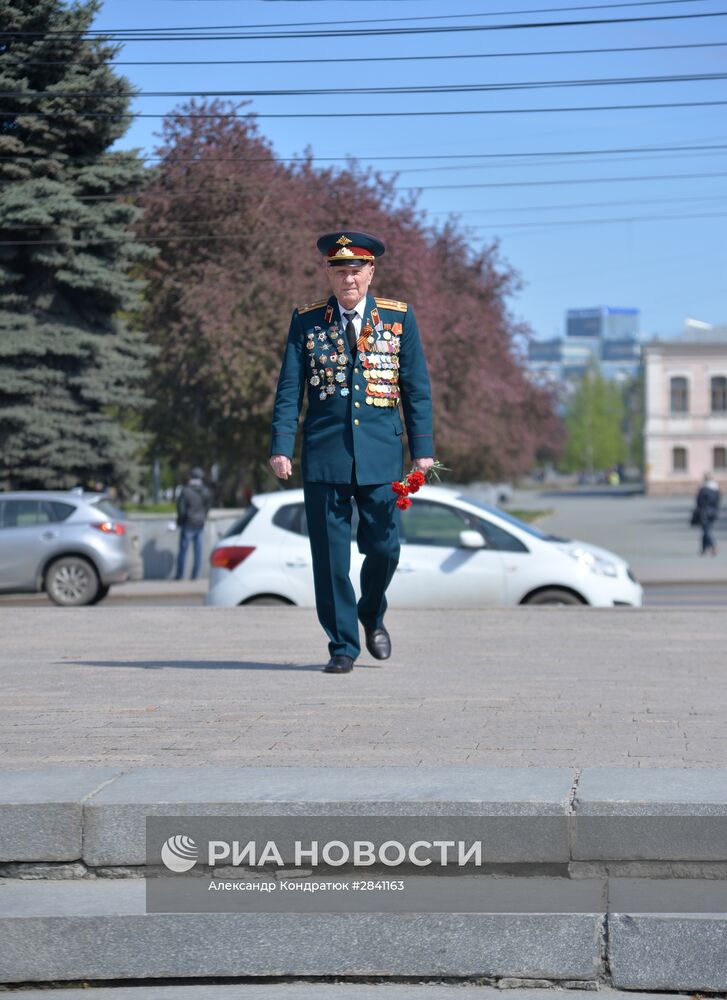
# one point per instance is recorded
(368, 32)
(569, 206)
(450, 88)
(208, 221)
(546, 153)
(215, 237)
(569, 180)
(605, 222)
(361, 114)
(377, 59)
(247, 188)
(383, 20)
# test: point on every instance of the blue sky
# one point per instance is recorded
(669, 268)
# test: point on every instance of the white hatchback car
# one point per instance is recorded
(455, 552)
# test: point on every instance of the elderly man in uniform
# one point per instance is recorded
(358, 356)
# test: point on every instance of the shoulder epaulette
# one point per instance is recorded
(392, 304)
(312, 305)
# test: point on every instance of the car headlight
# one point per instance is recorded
(596, 564)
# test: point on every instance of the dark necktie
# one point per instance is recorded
(350, 331)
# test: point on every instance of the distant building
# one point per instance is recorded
(685, 428)
(603, 323)
(606, 336)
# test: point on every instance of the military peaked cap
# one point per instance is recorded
(349, 248)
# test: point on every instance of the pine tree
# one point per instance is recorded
(71, 371)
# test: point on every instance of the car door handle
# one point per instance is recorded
(404, 568)
(297, 563)
(48, 536)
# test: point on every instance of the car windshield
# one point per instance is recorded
(522, 525)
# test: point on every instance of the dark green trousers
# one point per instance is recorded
(328, 511)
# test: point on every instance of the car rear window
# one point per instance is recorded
(59, 510)
(291, 517)
(242, 522)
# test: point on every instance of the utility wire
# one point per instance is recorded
(451, 88)
(204, 160)
(579, 204)
(533, 158)
(383, 20)
(673, 156)
(195, 237)
(360, 114)
(590, 222)
(550, 183)
(377, 59)
(457, 167)
(451, 213)
(368, 32)
(244, 188)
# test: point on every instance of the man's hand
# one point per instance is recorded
(423, 464)
(281, 466)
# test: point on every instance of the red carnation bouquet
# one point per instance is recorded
(413, 482)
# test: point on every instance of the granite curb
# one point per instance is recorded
(549, 815)
(336, 991)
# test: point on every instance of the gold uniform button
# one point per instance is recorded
(356, 422)
(355, 387)
(355, 371)
(357, 404)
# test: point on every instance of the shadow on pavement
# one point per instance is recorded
(192, 664)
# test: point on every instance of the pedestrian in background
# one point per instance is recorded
(193, 504)
(707, 512)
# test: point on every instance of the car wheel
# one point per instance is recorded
(263, 599)
(102, 592)
(554, 595)
(71, 581)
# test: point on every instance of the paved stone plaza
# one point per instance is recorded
(573, 687)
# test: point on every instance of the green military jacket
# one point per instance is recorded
(353, 399)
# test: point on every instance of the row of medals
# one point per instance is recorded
(380, 365)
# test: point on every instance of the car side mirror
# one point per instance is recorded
(470, 539)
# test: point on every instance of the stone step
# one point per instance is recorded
(525, 815)
(99, 929)
(335, 991)
(563, 905)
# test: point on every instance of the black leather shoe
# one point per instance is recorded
(378, 643)
(339, 664)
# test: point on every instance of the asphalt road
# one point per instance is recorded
(685, 595)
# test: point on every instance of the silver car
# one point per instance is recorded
(73, 545)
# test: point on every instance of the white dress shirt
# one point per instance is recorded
(359, 309)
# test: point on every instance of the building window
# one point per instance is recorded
(679, 395)
(679, 459)
(719, 458)
(719, 394)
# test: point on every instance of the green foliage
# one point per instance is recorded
(634, 421)
(71, 371)
(594, 420)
